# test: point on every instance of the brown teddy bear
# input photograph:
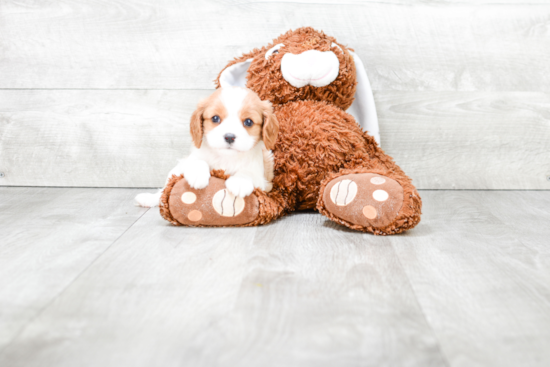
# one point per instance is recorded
(323, 159)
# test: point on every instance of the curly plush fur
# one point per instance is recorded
(318, 141)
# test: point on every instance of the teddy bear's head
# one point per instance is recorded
(306, 64)
(303, 64)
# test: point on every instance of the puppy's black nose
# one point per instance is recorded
(230, 138)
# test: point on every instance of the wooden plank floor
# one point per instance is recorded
(87, 279)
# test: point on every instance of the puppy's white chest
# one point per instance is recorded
(230, 164)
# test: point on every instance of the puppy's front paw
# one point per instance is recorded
(198, 180)
(147, 200)
(197, 174)
(239, 186)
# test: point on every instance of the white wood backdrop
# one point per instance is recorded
(98, 93)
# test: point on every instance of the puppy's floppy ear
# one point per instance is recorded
(197, 129)
(271, 126)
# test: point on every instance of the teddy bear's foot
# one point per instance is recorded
(212, 206)
(363, 201)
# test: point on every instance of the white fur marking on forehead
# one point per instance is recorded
(233, 98)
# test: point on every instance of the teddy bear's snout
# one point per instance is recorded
(311, 67)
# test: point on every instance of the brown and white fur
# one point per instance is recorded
(226, 142)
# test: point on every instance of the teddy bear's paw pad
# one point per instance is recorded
(226, 204)
(364, 199)
(212, 206)
(343, 192)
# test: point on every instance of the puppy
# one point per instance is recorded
(231, 130)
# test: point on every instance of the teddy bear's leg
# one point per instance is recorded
(376, 199)
(215, 206)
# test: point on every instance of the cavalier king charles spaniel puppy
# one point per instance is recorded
(232, 130)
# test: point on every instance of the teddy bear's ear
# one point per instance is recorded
(234, 75)
(363, 108)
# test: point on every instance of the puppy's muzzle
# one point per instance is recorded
(229, 138)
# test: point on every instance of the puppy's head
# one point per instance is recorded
(234, 119)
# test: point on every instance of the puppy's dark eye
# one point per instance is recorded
(276, 52)
(216, 119)
(248, 122)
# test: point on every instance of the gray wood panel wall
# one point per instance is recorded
(97, 93)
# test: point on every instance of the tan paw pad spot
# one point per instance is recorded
(377, 180)
(343, 192)
(188, 197)
(194, 215)
(370, 212)
(226, 204)
(380, 195)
